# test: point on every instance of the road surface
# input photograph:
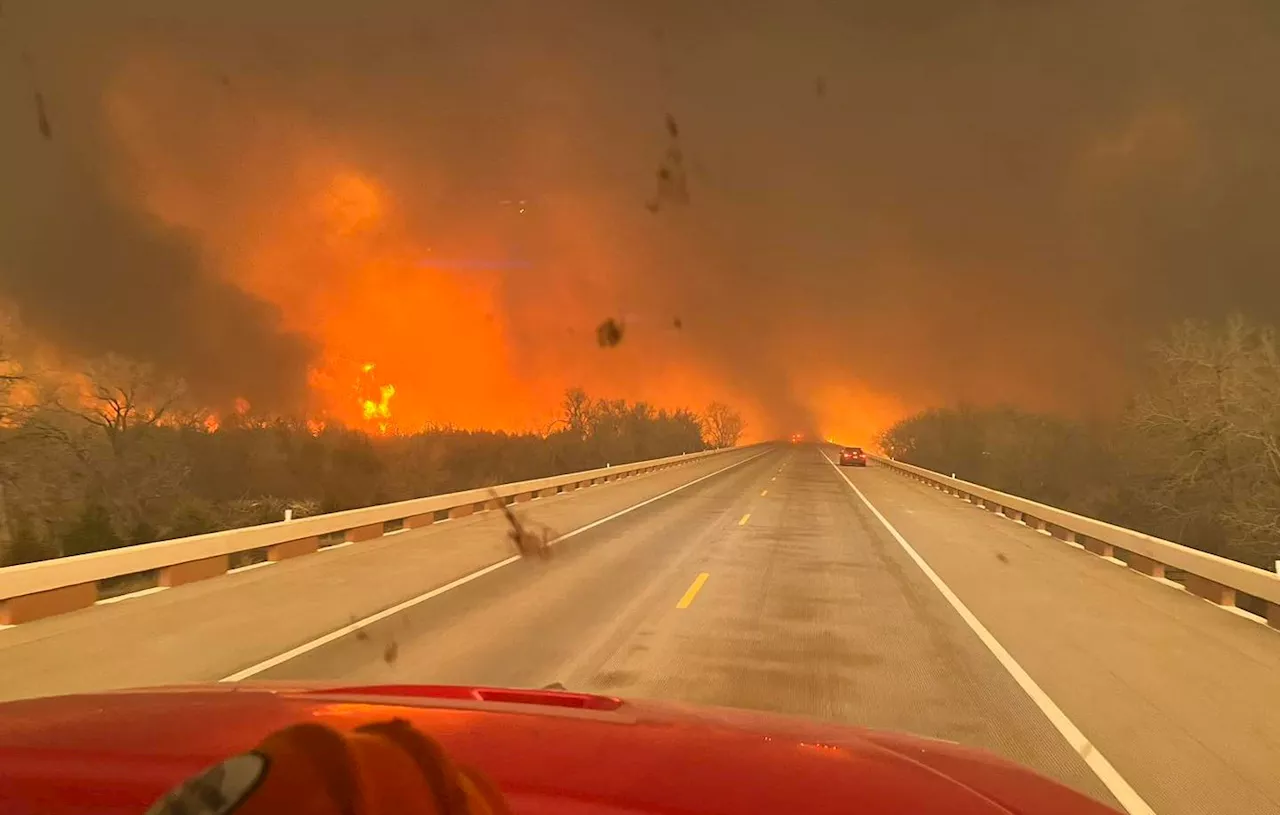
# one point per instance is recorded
(761, 579)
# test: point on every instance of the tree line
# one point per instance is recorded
(122, 458)
(1193, 457)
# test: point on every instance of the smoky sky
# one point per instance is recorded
(938, 200)
(88, 270)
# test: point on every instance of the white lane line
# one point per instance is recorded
(1107, 774)
(311, 645)
(257, 565)
(131, 595)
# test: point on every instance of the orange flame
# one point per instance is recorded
(375, 410)
(380, 409)
(466, 343)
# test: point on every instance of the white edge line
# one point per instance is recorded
(1164, 581)
(311, 645)
(130, 595)
(256, 565)
(648, 501)
(1248, 615)
(1239, 612)
(1107, 774)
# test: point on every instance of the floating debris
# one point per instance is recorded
(609, 333)
(673, 184)
(527, 541)
(42, 118)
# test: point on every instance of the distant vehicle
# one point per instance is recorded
(852, 457)
(116, 753)
(796, 438)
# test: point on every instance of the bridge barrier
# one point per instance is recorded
(1214, 578)
(35, 590)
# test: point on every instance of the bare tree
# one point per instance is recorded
(12, 376)
(722, 426)
(1211, 417)
(132, 461)
(122, 396)
(576, 411)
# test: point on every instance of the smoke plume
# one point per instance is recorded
(828, 213)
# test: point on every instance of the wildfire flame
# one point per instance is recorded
(369, 294)
(380, 409)
(376, 410)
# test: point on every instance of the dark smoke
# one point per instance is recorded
(90, 271)
(938, 200)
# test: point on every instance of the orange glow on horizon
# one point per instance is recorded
(853, 416)
(296, 217)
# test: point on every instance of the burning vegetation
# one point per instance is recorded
(120, 453)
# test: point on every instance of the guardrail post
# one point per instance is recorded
(293, 548)
(363, 533)
(524, 496)
(1145, 565)
(1211, 591)
(462, 511)
(24, 609)
(548, 492)
(190, 572)
(418, 521)
(1273, 615)
(1100, 548)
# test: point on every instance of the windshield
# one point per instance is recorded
(519, 344)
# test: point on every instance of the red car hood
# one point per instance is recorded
(548, 751)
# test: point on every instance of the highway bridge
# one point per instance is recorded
(764, 577)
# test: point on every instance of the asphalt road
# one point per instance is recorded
(213, 629)
(808, 607)
(759, 579)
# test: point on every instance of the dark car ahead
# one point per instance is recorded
(852, 457)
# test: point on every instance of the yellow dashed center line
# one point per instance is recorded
(744, 520)
(693, 590)
(763, 493)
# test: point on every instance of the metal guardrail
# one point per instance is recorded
(1209, 576)
(34, 590)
